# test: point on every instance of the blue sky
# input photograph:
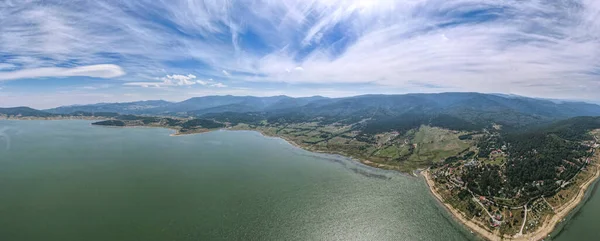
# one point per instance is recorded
(76, 52)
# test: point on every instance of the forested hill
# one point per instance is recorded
(458, 111)
(26, 112)
(472, 108)
(23, 111)
(533, 162)
(531, 172)
(574, 129)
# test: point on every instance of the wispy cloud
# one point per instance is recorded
(179, 79)
(532, 47)
(176, 80)
(99, 71)
(219, 85)
(4, 66)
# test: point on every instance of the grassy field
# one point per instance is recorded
(432, 144)
(408, 151)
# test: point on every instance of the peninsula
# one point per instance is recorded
(500, 199)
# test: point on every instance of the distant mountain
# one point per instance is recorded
(198, 104)
(458, 104)
(193, 106)
(256, 104)
(467, 111)
(377, 112)
(23, 111)
(138, 107)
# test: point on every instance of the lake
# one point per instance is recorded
(69, 180)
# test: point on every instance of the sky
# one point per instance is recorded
(61, 52)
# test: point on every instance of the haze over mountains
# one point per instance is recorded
(197, 105)
(470, 111)
(386, 103)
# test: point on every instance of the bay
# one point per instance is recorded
(69, 180)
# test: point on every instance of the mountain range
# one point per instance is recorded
(464, 110)
(193, 106)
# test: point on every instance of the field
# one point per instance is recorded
(414, 149)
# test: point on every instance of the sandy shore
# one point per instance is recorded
(199, 131)
(457, 214)
(541, 233)
(304, 147)
(562, 211)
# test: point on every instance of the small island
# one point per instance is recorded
(182, 126)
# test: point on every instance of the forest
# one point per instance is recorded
(537, 162)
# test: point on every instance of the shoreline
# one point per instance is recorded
(293, 143)
(547, 228)
(543, 232)
(83, 118)
(563, 211)
(456, 214)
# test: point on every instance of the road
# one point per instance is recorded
(524, 221)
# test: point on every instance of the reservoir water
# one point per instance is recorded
(69, 180)
(583, 225)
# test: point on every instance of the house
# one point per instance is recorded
(471, 163)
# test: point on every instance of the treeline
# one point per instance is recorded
(236, 118)
(201, 123)
(29, 112)
(407, 122)
(24, 111)
(95, 114)
(124, 120)
(535, 160)
(575, 129)
(110, 123)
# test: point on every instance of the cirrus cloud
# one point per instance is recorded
(98, 71)
(176, 80)
(530, 47)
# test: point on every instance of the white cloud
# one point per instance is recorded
(98, 71)
(176, 80)
(179, 80)
(219, 85)
(144, 84)
(96, 87)
(5, 66)
(539, 48)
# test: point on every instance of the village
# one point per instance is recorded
(505, 216)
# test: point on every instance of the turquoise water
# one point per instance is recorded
(68, 180)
